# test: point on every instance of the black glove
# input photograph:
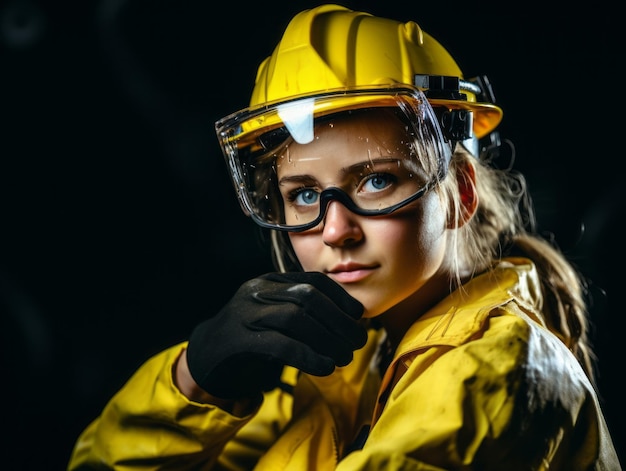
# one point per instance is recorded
(304, 320)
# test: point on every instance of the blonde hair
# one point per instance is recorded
(504, 225)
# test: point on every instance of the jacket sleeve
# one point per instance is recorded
(512, 397)
(150, 424)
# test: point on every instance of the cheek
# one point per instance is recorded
(432, 242)
(418, 232)
(306, 248)
(414, 246)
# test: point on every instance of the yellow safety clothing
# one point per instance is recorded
(477, 383)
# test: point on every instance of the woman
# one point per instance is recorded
(415, 321)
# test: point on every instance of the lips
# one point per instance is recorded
(350, 272)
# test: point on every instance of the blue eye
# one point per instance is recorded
(378, 182)
(305, 197)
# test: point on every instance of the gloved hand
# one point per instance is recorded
(304, 320)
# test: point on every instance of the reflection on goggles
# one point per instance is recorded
(373, 152)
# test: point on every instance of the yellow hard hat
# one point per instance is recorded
(332, 47)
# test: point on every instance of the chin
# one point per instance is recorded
(373, 301)
(369, 315)
(372, 310)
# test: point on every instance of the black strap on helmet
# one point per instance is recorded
(456, 124)
(490, 144)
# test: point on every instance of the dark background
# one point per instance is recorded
(119, 227)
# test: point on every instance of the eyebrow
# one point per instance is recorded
(297, 179)
(376, 160)
(345, 170)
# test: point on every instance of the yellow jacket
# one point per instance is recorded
(477, 383)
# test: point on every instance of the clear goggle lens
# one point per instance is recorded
(373, 150)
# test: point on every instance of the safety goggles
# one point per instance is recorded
(372, 150)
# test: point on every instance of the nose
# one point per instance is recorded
(341, 226)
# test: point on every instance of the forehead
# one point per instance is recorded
(354, 136)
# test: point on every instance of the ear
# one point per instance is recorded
(468, 197)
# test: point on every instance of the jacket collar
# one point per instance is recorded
(463, 313)
(458, 316)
